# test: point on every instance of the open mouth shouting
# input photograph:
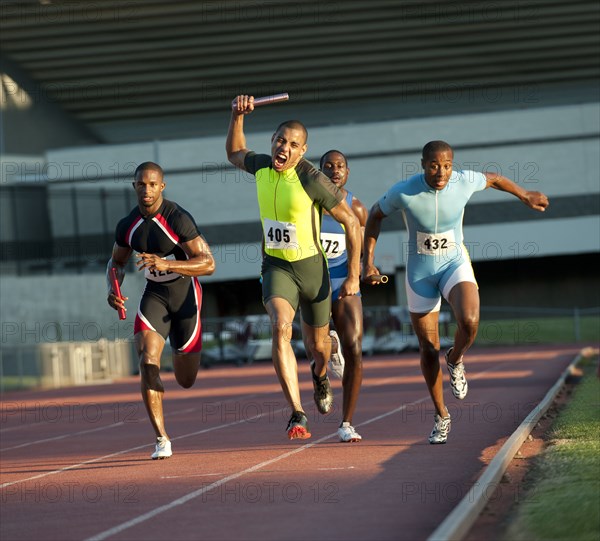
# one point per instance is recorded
(280, 160)
(288, 145)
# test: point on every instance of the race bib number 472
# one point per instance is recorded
(334, 244)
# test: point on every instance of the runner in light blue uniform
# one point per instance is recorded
(437, 258)
(437, 262)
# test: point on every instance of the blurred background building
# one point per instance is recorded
(91, 89)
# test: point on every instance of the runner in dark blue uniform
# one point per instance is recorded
(346, 311)
(172, 253)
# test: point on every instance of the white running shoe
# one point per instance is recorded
(458, 380)
(337, 361)
(347, 433)
(163, 449)
(439, 434)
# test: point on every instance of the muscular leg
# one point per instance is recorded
(149, 346)
(319, 346)
(348, 318)
(282, 315)
(185, 366)
(464, 300)
(427, 331)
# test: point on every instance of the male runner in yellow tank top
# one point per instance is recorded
(291, 193)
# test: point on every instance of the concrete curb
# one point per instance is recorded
(458, 523)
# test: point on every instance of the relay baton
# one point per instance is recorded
(266, 100)
(377, 278)
(117, 290)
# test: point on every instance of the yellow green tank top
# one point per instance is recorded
(290, 204)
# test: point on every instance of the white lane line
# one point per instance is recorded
(63, 436)
(20, 427)
(196, 493)
(191, 475)
(264, 471)
(218, 427)
(124, 451)
(199, 492)
(72, 466)
(113, 425)
(192, 495)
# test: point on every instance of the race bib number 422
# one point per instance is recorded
(279, 235)
(161, 276)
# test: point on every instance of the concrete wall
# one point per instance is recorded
(63, 308)
(555, 150)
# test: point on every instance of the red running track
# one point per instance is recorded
(75, 462)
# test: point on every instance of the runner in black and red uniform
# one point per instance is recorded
(172, 253)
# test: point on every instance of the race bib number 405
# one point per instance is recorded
(279, 235)
(435, 243)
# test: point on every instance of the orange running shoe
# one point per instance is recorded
(297, 427)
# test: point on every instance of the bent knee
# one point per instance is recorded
(352, 349)
(429, 349)
(186, 378)
(149, 358)
(150, 373)
(186, 382)
(282, 331)
(149, 364)
(319, 349)
(186, 368)
(469, 322)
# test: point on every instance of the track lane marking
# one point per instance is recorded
(218, 427)
(199, 492)
(112, 425)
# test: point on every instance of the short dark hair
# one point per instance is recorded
(329, 152)
(294, 125)
(436, 146)
(148, 166)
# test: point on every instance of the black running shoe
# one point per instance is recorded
(323, 393)
(297, 427)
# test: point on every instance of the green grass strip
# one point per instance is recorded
(548, 330)
(564, 501)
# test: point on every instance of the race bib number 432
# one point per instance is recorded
(279, 235)
(435, 243)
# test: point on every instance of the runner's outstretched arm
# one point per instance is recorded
(535, 200)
